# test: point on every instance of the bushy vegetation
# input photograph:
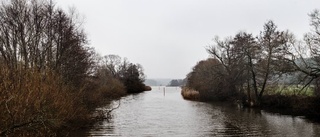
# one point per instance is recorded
(190, 94)
(131, 75)
(294, 105)
(36, 105)
(206, 78)
(247, 67)
(49, 79)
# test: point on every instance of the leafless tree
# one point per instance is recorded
(207, 77)
(305, 55)
(273, 44)
(250, 60)
(231, 58)
(38, 43)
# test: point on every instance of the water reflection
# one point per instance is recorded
(156, 113)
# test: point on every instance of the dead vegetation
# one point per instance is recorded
(49, 80)
(190, 94)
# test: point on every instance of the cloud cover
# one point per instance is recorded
(168, 37)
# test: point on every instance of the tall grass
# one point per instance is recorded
(190, 94)
(36, 103)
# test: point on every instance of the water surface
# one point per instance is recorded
(157, 114)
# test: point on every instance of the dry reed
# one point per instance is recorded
(190, 94)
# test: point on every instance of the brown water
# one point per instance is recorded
(155, 114)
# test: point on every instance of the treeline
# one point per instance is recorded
(131, 75)
(177, 83)
(49, 78)
(251, 67)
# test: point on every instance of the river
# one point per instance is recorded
(166, 114)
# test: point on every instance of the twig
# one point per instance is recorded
(13, 127)
(11, 115)
(109, 111)
(106, 114)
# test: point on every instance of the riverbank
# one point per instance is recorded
(95, 95)
(96, 115)
(157, 114)
(308, 106)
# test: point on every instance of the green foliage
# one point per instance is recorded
(290, 90)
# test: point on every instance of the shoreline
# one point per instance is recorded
(78, 127)
(305, 106)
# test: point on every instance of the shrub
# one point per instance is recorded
(147, 88)
(190, 94)
(296, 105)
(35, 104)
(99, 92)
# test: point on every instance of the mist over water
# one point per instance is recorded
(159, 113)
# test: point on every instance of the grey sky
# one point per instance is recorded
(168, 37)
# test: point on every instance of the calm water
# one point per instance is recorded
(153, 113)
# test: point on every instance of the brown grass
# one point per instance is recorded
(147, 88)
(190, 94)
(100, 92)
(36, 103)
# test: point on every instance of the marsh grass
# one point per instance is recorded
(36, 103)
(190, 94)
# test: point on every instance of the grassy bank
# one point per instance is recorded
(288, 102)
(308, 106)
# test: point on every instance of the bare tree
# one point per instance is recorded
(255, 61)
(249, 50)
(112, 64)
(42, 53)
(305, 55)
(231, 58)
(273, 44)
(207, 77)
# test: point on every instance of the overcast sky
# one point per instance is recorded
(168, 37)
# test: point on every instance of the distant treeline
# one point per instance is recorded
(177, 82)
(165, 82)
(49, 78)
(246, 67)
(157, 82)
